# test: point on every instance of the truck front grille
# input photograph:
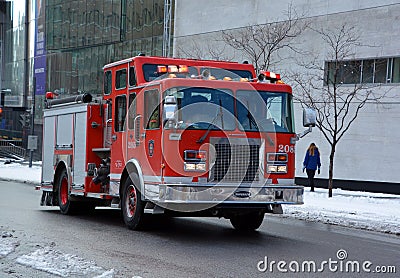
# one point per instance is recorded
(236, 162)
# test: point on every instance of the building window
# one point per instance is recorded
(368, 71)
(362, 71)
(380, 71)
(396, 70)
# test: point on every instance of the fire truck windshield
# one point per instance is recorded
(208, 108)
(204, 108)
(265, 111)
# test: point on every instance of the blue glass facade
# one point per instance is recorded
(67, 44)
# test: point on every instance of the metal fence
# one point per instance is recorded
(9, 149)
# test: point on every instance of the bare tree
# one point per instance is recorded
(199, 49)
(322, 87)
(261, 43)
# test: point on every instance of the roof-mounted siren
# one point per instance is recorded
(269, 76)
(51, 95)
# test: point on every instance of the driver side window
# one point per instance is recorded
(152, 109)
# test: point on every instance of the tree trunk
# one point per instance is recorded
(331, 157)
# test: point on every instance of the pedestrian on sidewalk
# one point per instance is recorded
(311, 163)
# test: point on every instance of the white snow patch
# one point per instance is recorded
(371, 211)
(64, 265)
(21, 172)
(7, 244)
(107, 274)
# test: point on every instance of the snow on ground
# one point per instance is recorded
(20, 171)
(52, 261)
(371, 211)
(64, 265)
(7, 244)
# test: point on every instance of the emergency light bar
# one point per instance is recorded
(161, 69)
(269, 75)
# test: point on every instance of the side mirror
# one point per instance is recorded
(170, 109)
(309, 117)
(309, 120)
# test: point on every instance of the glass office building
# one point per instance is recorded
(67, 44)
(82, 36)
(16, 61)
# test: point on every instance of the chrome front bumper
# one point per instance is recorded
(215, 194)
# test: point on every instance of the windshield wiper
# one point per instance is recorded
(220, 113)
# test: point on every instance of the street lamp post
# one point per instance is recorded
(32, 148)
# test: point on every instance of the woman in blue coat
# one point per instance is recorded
(311, 163)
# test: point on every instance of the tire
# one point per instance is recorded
(247, 222)
(64, 202)
(132, 205)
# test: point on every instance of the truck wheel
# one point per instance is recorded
(247, 222)
(132, 206)
(66, 206)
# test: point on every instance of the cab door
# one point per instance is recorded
(134, 117)
(118, 124)
(152, 133)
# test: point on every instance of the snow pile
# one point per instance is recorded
(64, 265)
(371, 211)
(21, 172)
(7, 244)
(107, 274)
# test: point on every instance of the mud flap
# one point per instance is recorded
(47, 199)
(277, 209)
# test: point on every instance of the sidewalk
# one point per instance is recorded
(363, 210)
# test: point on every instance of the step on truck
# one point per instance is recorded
(178, 137)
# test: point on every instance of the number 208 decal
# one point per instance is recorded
(286, 148)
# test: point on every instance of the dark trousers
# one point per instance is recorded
(310, 175)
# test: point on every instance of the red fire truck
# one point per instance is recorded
(178, 137)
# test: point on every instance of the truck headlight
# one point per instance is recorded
(276, 169)
(194, 160)
(200, 167)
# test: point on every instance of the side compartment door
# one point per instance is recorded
(49, 141)
(80, 149)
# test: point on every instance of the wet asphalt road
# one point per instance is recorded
(186, 247)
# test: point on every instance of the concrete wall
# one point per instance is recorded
(371, 149)
(199, 17)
